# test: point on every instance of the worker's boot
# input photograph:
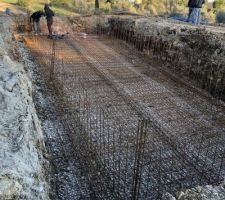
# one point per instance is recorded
(50, 36)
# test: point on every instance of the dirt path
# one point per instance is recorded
(119, 132)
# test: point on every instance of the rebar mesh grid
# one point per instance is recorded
(143, 139)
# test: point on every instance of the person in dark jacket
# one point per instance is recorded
(35, 20)
(49, 17)
(191, 8)
(195, 7)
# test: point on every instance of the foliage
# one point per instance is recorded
(60, 2)
(219, 4)
(23, 3)
(10, 1)
(220, 17)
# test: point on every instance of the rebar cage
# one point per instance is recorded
(132, 131)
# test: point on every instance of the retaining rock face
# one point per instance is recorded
(22, 173)
(197, 53)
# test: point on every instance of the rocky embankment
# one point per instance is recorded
(22, 166)
(197, 53)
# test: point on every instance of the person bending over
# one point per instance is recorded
(35, 21)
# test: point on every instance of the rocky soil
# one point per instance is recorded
(22, 165)
(199, 193)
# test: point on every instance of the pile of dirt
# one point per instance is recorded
(23, 167)
(87, 23)
(77, 24)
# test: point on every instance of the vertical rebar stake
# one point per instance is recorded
(52, 64)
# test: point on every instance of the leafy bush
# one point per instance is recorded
(60, 2)
(23, 3)
(220, 17)
(219, 4)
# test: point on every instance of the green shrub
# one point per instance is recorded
(60, 2)
(23, 3)
(220, 17)
(219, 4)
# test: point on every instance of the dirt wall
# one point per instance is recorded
(22, 163)
(197, 53)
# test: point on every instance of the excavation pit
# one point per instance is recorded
(134, 136)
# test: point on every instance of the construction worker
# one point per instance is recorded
(35, 20)
(195, 7)
(191, 8)
(49, 17)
